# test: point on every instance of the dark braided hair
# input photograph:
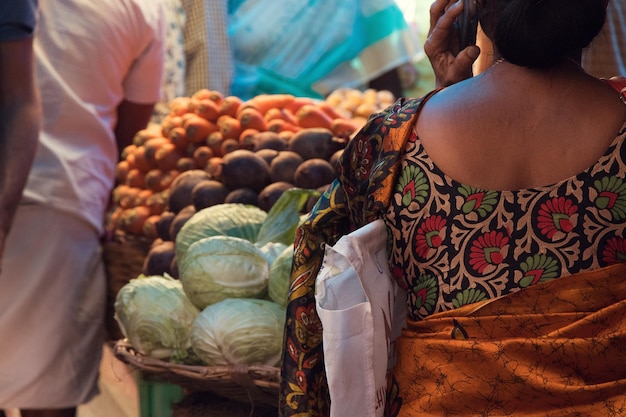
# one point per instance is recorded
(541, 33)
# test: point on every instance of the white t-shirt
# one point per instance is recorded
(90, 55)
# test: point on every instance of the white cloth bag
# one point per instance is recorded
(362, 311)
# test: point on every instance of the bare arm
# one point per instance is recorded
(20, 114)
(441, 45)
(131, 118)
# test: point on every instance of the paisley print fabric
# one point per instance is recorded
(361, 194)
(451, 245)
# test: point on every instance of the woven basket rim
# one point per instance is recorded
(256, 383)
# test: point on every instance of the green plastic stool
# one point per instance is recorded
(156, 398)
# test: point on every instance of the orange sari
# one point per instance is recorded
(554, 349)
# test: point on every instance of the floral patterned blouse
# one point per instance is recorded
(454, 244)
(451, 244)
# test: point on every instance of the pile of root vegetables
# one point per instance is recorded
(213, 149)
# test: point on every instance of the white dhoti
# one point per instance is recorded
(52, 303)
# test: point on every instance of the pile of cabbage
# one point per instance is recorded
(228, 305)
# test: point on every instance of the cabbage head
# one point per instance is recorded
(227, 219)
(156, 317)
(280, 273)
(239, 331)
(271, 250)
(220, 267)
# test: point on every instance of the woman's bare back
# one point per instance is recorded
(512, 128)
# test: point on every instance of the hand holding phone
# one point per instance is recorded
(442, 44)
(467, 24)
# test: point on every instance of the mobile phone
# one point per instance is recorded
(467, 24)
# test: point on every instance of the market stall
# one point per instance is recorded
(200, 235)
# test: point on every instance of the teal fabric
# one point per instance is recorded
(285, 46)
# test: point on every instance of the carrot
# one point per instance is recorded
(114, 219)
(229, 127)
(156, 203)
(118, 194)
(144, 134)
(329, 110)
(136, 178)
(167, 179)
(130, 158)
(201, 156)
(167, 156)
(312, 116)
(279, 125)
(229, 145)
(191, 107)
(142, 197)
(128, 150)
(298, 102)
(170, 122)
(178, 136)
(186, 117)
(264, 102)
(208, 109)
(121, 171)
(132, 219)
(214, 142)
(214, 166)
(246, 138)
(128, 196)
(153, 179)
(151, 147)
(343, 128)
(185, 163)
(284, 114)
(230, 105)
(251, 118)
(198, 128)
(207, 94)
(148, 229)
(216, 96)
(141, 161)
(179, 106)
(201, 94)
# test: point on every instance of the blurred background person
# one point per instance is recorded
(174, 60)
(208, 54)
(98, 69)
(197, 51)
(606, 56)
(310, 49)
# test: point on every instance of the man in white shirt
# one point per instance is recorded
(98, 68)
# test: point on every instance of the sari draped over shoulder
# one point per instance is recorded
(361, 194)
(552, 349)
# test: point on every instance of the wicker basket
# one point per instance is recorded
(246, 384)
(123, 257)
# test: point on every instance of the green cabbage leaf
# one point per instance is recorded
(220, 267)
(156, 317)
(228, 219)
(280, 272)
(239, 332)
(284, 217)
